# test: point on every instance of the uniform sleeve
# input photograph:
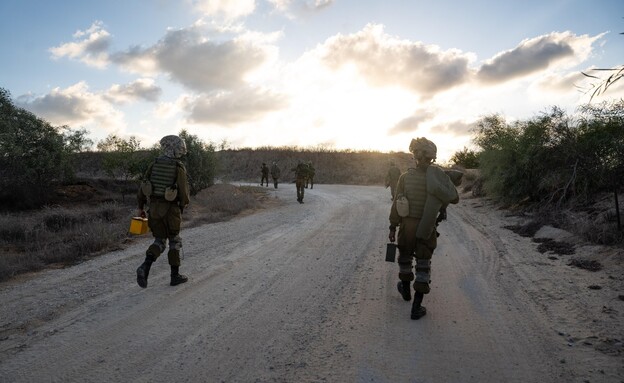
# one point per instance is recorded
(183, 187)
(395, 219)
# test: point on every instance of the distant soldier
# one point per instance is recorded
(265, 174)
(166, 192)
(392, 177)
(310, 175)
(275, 173)
(301, 171)
(428, 190)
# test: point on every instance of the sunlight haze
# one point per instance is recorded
(363, 75)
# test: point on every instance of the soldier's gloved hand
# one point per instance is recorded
(441, 216)
(392, 234)
(142, 213)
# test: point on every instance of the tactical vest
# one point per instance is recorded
(415, 189)
(164, 172)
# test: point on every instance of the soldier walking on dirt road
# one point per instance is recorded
(275, 173)
(301, 171)
(428, 190)
(165, 191)
(265, 174)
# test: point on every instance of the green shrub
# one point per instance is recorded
(552, 158)
(35, 155)
(200, 161)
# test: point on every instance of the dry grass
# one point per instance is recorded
(59, 236)
(64, 235)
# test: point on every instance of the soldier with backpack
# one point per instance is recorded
(165, 191)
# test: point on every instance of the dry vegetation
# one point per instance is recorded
(92, 217)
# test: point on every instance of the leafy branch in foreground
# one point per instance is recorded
(600, 88)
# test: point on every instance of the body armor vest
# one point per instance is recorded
(415, 189)
(163, 175)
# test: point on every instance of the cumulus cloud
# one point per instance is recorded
(561, 82)
(229, 108)
(537, 54)
(199, 63)
(137, 60)
(74, 105)
(225, 9)
(454, 128)
(387, 61)
(295, 8)
(411, 123)
(91, 46)
(141, 89)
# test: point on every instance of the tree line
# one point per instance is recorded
(36, 156)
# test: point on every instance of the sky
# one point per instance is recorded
(338, 74)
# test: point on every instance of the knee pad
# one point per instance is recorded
(175, 243)
(156, 248)
(406, 276)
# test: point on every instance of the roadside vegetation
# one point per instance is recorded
(568, 170)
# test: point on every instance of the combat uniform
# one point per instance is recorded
(300, 177)
(265, 175)
(310, 176)
(275, 173)
(417, 236)
(167, 194)
(392, 177)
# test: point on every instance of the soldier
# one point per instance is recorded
(166, 192)
(310, 176)
(428, 190)
(275, 173)
(265, 175)
(300, 176)
(392, 177)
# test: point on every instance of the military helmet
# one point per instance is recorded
(422, 147)
(173, 146)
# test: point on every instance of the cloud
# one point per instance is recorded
(225, 9)
(141, 89)
(387, 61)
(137, 60)
(411, 123)
(294, 8)
(74, 105)
(201, 64)
(229, 108)
(561, 83)
(91, 46)
(537, 54)
(454, 128)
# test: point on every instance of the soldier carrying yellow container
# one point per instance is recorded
(165, 191)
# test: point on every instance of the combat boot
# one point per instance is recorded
(418, 311)
(143, 271)
(176, 277)
(405, 290)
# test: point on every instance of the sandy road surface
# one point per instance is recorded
(301, 293)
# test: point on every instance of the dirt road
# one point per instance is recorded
(301, 293)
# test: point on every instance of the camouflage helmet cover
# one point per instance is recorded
(173, 146)
(423, 147)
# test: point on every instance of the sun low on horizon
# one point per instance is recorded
(339, 74)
